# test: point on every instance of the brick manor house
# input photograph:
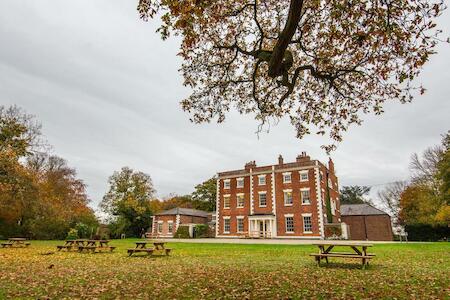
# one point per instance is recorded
(286, 200)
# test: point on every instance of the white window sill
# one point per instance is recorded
(226, 208)
(307, 232)
(306, 203)
(290, 232)
(226, 232)
(239, 206)
(286, 204)
(262, 205)
(287, 181)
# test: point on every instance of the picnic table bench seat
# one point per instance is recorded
(91, 248)
(67, 247)
(15, 243)
(346, 255)
(359, 248)
(342, 254)
(131, 251)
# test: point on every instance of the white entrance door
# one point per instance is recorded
(264, 228)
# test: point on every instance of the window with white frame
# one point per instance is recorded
(304, 176)
(287, 178)
(240, 182)
(288, 197)
(289, 221)
(261, 179)
(307, 223)
(226, 201)
(170, 229)
(262, 199)
(329, 183)
(306, 196)
(160, 227)
(226, 184)
(240, 225)
(226, 225)
(240, 200)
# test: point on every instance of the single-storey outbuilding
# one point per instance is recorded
(366, 222)
(166, 223)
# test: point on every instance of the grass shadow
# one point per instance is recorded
(148, 256)
(346, 266)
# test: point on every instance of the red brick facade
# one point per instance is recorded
(283, 185)
(166, 223)
(370, 227)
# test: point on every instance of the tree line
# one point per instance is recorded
(40, 195)
(130, 201)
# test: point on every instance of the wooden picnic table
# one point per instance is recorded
(96, 245)
(142, 247)
(359, 251)
(68, 245)
(15, 242)
(84, 244)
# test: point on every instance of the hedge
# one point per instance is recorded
(425, 232)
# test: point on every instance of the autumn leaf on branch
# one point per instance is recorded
(320, 63)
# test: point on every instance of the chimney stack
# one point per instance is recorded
(303, 157)
(250, 164)
(280, 160)
(331, 166)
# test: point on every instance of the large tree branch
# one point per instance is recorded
(275, 63)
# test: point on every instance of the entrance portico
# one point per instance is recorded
(262, 226)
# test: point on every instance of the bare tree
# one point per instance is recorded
(389, 198)
(424, 168)
(20, 133)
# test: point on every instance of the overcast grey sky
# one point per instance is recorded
(107, 90)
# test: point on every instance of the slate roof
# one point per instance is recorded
(360, 210)
(184, 211)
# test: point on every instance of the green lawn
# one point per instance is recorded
(213, 271)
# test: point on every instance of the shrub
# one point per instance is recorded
(182, 232)
(72, 234)
(201, 231)
(84, 231)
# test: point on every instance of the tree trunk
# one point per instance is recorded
(275, 63)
